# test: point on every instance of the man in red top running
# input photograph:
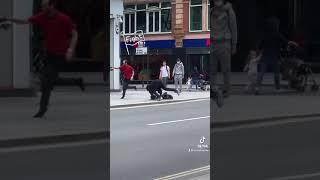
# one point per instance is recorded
(128, 74)
(60, 37)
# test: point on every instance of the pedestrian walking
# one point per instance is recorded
(164, 73)
(60, 36)
(178, 74)
(128, 74)
(195, 77)
(224, 41)
(252, 69)
(155, 89)
(270, 46)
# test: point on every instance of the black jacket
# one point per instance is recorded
(272, 40)
(156, 85)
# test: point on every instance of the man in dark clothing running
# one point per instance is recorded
(60, 37)
(128, 74)
(156, 87)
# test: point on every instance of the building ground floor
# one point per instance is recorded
(20, 44)
(296, 22)
(147, 67)
(89, 18)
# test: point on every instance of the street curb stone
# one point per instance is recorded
(49, 140)
(157, 102)
(236, 85)
(260, 120)
(29, 92)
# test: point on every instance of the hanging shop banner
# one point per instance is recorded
(141, 51)
(135, 40)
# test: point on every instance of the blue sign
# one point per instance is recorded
(157, 44)
(170, 44)
(187, 43)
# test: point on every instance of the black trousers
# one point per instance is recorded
(158, 92)
(125, 86)
(275, 65)
(50, 78)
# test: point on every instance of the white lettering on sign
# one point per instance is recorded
(141, 51)
(136, 40)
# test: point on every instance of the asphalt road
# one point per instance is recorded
(64, 162)
(280, 151)
(153, 141)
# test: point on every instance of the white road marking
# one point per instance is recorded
(298, 177)
(185, 173)
(176, 121)
(162, 104)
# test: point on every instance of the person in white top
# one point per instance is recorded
(164, 73)
(252, 69)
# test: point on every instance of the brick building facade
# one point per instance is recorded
(176, 28)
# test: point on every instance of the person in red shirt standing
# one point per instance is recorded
(128, 74)
(60, 39)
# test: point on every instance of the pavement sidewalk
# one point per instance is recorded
(72, 115)
(141, 97)
(237, 78)
(241, 109)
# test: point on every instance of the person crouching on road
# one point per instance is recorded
(128, 74)
(155, 89)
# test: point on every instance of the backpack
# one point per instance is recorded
(166, 96)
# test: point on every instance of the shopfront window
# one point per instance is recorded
(91, 26)
(199, 61)
(195, 15)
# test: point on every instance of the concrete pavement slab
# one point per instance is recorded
(143, 97)
(71, 112)
(239, 108)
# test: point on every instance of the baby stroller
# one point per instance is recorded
(294, 70)
(203, 84)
